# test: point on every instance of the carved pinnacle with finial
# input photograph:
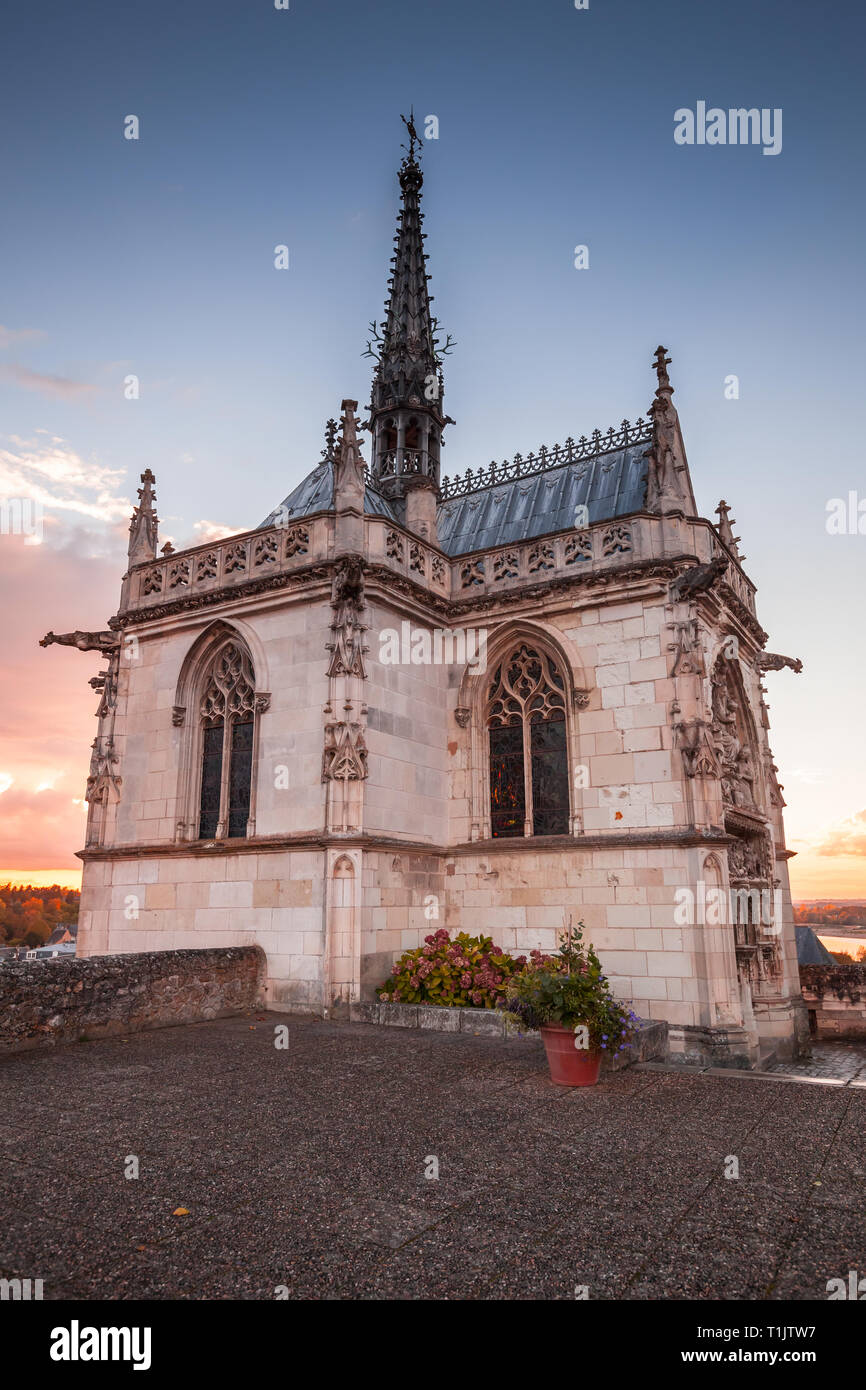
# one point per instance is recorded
(330, 440)
(661, 363)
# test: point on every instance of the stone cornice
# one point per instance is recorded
(688, 837)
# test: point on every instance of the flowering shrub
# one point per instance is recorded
(468, 972)
(570, 989)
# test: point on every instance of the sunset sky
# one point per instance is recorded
(260, 127)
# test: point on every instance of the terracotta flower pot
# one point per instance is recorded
(569, 1065)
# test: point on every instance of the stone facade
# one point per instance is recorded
(47, 1002)
(370, 638)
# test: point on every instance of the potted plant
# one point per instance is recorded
(568, 1000)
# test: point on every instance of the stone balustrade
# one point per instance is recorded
(232, 562)
(240, 559)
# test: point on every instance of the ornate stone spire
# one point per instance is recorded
(669, 487)
(348, 463)
(726, 530)
(406, 402)
(144, 526)
(349, 484)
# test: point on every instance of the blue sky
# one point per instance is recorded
(260, 127)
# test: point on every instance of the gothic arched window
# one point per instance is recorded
(527, 734)
(227, 713)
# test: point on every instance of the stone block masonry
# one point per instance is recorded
(43, 1003)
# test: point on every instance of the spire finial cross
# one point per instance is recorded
(661, 363)
(414, 137)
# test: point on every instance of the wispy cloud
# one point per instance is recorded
(8, 336)
(54, 475)
(809, 776)
(49, 385)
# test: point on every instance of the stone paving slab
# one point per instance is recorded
(305, 1169)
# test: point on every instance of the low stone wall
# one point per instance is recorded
(44, 1002)
(649, 1044)
(835, 996)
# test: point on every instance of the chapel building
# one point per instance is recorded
(495, 702)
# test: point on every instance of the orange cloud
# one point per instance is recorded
(849, 838)
(48, 707)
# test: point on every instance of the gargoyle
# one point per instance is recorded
(699, 579)
(771, 661)
(106, 642)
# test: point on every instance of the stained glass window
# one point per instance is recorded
(549, 778)
(528, 748)
(211, 781)
(227, 712)
(507, 789)
(239, 777)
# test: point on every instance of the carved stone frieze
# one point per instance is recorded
(732, 739)
(687, 648)
(348, 603)
(345, 753)
(102, 775)
(695, 746)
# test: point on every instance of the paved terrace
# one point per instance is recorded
(305, 1168)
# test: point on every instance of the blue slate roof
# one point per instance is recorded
(810, 949)
(611, 485)
(316, 494)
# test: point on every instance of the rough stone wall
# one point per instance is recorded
(836, 994)
(46, 1002)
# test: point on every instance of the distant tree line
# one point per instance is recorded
(29, 915)
(830, 915)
